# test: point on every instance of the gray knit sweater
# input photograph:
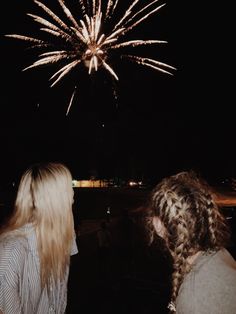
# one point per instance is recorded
(210, 287)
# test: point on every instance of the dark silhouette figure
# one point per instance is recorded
(104, 250)
(126, 242)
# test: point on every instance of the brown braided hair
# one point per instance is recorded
(192, 221)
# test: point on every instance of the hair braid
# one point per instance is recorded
(218, 227)
(191, 221)
(178, 242)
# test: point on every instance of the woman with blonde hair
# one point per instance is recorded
(37, 242)
(182, 212)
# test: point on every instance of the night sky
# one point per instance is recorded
(157, 125)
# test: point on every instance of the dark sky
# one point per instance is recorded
(157, 125)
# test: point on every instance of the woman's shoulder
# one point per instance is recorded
(217, 267)
(227, 259)
(13, 246)
(12, 258)
(211, 284)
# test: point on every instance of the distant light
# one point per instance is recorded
(74, 183)
(88, 183)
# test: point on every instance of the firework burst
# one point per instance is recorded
(73, 41)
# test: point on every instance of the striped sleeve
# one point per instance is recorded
(10, 263)
(9, 298)
(74, 248)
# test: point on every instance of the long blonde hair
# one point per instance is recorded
(192, 222)
(45, 198)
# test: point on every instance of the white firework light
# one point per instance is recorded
(83, 42)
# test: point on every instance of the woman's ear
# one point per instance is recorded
(158, 226)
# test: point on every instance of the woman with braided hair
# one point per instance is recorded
(182, 211)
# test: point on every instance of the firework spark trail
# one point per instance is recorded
(53, 15)
(81, 41)
(143, 9)
(135, 43)
(82, 5)
(157, 65)
(71, 101)
(114, 7)
(66, 69)
(142, 19)
(68, 13)
(126, 14)
(110, 7)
